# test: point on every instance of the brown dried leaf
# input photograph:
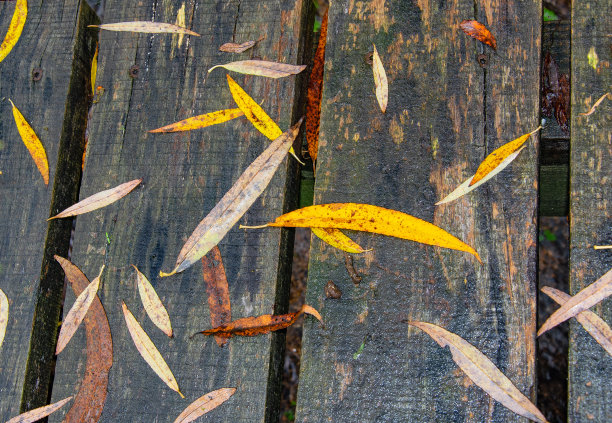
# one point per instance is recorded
(217, 290)
(146, 27)
(483, 372)
(262, 68)
(583, 300)
(239, 48)
(152, 304)
(204, 404)
(477, 30)
(39, 413)
(380, 81)
(4, 313)
(201, 121)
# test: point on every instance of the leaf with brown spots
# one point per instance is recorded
(4, 313)
(253, 326)
(146, 27)
(483, 372)
(153, 306)
(217, 290)
(204, 404)
(380, 81)
(39, 413)
(201, 121)
(238, 48)
(262, 68)
(15, 28)
(336, 238)
(477, 30)
(32, 143)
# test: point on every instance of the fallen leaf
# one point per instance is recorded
(369, 218)
(146, 27)
(260, 325)
(597, 103)
(77, 313)
(217, 290)
(380, 81)
(201, 121)
(89, 401)
(477, 30)
(4, 313)
(39, 413)
(152, 304)
(148, 351)
(94, 70)
(583, 300)
(262, 68)
(590, 321)
(483, 372)
(204, 404)
(593, 58)
(99, 200)
(602, 247)
(238, 48)
(338, 239)
(33, 144)
(15, 27)
(235, 202)
(180, 21)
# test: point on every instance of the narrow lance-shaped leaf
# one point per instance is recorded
(239, 48)
(39, 413)
(477, 30)
(201, 121)
(235, 202)
(380, 81)
(262, 68)
(204, 404)
(483, 372)
(597, 103)
(152, 304)
(148, 351)
(77, 313)
(217, 290)
(338, 239)
(591, 322)
(99, 200)
(15, 28)
(32, 143)
(94, 70)
(146, 27)
(4, 313)
(583, 300)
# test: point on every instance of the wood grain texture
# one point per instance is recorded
(590, 367)
(184, 176)
(445, 114)
(46, 75)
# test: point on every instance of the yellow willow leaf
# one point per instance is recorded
(235, 202)
(77, 313)
(99, 200)
(583, 300)
(94, 71)
(369, 218)
(591, 322)
(338, 239)
(33, 144)
(262, 68)
(255, 114)
(380, 81)
(39, 413)
(201, 121)
(15, 27)
(204, 404)
(148, 351)
(4, 313)
(493, 160)
(146, 27)
(483, 372)
(152, 304)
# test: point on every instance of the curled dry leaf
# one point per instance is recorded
(583, 300)
(4, 313)
(337, 238)
(483, 372)
(477, 30)
(597, 103)
(99, 200)
(15, 27)
(217, 290)
(148, 351)
(201, 121)
(152, 304)
(235, 202)
(32, 143)
(262, 68)
(239, 48)
(380, 81)
(39, 413)
(204, 404)
(590, 321)
(260, 325)
(146, 27)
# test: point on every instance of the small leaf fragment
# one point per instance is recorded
(477, 30)
(483, 372)
(99, 200)
(338, 239)
(94, 70)
(32, 143)
(380, 81)
(217, 290)
(39, 413)
(152, 304)
(201, 121)
(15, 28)
(262, 68)
(583, 300)
(148, 351)
(146, 27)
(4, 313)
(239, 48)
(597, 103)
(204, 404)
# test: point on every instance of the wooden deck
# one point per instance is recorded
(452, 101)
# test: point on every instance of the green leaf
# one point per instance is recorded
(549, 16)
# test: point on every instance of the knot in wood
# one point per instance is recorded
(134, 71)
(483, 60)
(37, 74)
(368, 58)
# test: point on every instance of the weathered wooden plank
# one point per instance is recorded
(184, 176)
(590, 368)
(45, 75)
(445, 114)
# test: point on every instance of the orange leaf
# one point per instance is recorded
(32, 143)
(152, 304)
(204, 404)
(262, 68)
(217, 290)
(380, 81)
(39, 413)
(146, 27)
(201, 121)
(338, 239)
(477, 30)
(15, 27)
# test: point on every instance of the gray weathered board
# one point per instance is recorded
(445, 114)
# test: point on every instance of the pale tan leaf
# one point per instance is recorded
(39, 413)
(204, 404)
(239, 48)
(152, 304)
(483, 372)
(380, 81)
(597, 103)
(4, 313)
(146, 27)
(262, 68)
(148, 351)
